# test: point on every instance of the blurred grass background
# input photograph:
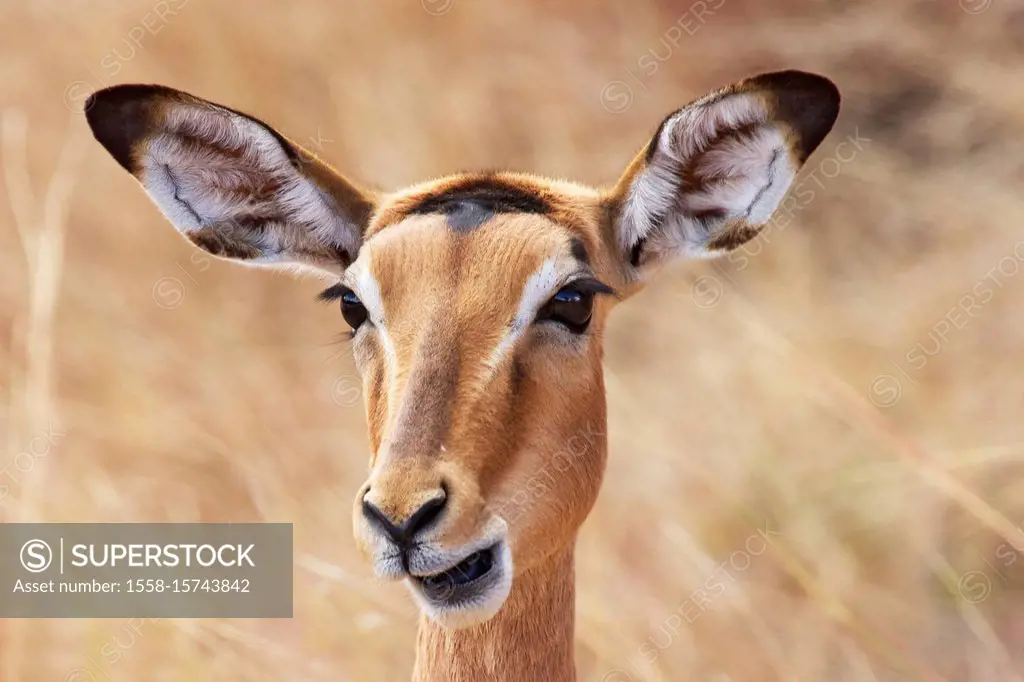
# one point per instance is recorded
(816, 446)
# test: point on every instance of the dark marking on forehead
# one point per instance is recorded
(470, 204)
(464, 216)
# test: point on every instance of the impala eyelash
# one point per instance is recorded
(591, 285)
(332, 293)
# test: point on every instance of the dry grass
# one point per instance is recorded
(188, 389)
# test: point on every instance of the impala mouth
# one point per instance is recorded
(470, 591)
(477, 566)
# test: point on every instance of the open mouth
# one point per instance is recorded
(469, 578)
(459, 588)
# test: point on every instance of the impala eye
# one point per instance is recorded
(573, 305)
(352, 309)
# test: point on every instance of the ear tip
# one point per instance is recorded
(792, 82)
(110, 101)
(808, 102)
(120, 115)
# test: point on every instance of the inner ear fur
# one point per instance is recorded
(716, 170)
(229, 182)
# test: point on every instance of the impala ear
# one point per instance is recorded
(717, 169)
(228, 182)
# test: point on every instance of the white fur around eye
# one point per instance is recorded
(367, 288)
(539, 288)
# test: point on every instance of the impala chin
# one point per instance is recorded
(465, 587)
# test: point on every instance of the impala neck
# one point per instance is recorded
(531, 637)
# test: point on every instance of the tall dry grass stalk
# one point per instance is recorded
(32, 405)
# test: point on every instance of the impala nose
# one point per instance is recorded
(402, 533)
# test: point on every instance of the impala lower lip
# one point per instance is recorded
(471, 589)
(470, 577)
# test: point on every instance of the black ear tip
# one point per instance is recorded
(806, 101)
(814, 86)
(795, 78)
(120, 116)
(96, 108)
(90, 102)
(823, 89)
(107, 101)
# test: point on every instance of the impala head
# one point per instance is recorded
(477, 302)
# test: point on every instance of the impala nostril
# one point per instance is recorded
(403, 533)
(426, 514)
(377, 517)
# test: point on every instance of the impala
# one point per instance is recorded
(477, 304)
